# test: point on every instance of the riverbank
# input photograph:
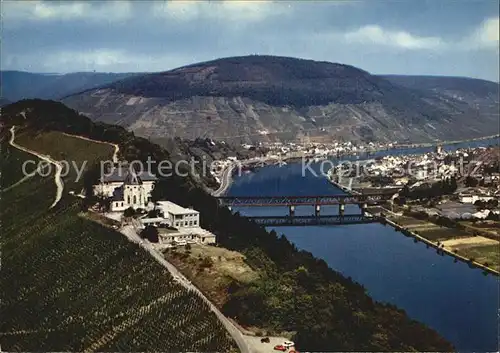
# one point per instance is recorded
(441, 248)
(446, 248)
(431, 144)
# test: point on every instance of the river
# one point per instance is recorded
(459, 302)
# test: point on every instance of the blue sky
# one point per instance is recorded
(436, 37)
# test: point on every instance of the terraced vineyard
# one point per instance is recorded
(69, 284)
(11, 163)
(62, 147)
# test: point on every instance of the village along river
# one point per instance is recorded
(459, 302)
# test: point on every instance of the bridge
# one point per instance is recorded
(283, 221)
(362, 200)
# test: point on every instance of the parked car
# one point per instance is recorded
(280, 347)
(265, 340)
(288, 344)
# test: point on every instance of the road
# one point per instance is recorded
(130, 232)
(225, 182)
(57, 176)
(115, 146)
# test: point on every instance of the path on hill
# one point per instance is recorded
(57, 176)
(115, 146)
(28, 176)
(130, 232)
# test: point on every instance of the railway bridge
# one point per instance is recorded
(316, 201)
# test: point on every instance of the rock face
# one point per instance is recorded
(264, 98)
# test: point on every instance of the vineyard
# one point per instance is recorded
(11, 162)
(71, 149)
(69, 284)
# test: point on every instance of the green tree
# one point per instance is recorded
(150, 233)
(129, 212)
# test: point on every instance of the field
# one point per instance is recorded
(211, 268)
(11, 163)
(489, 254)
(429, 230)
(482, 250)
(70, 284)
(78, 152)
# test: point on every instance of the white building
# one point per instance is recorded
(126, 188)
(185, 236)
(469, 198)
(177, 216)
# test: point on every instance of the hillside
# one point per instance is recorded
(70, 284)
(74, 278)
(479, 94)
(265, 98)
(17, 85)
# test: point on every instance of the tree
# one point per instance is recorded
(129, 212)
(153, 213)
(470, 181)
(150, 233)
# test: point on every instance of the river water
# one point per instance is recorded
(459, 302)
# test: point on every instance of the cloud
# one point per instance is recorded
(226, 10)
(373, 34)
(486, 36)
(104, 60)
(17, 12)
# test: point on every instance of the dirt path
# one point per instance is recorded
(115, 146)
(57, 176)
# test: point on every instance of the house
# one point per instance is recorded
(177, 216)
(472, 198)
(186, 236)
(126, 188)
(156, 222)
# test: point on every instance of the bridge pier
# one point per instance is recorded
(291, 210)
(341, 210)
(317, 209)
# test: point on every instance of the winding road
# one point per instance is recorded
(226, 181)
(57, 176)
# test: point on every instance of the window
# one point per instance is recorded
(122, 204)
(135, 199)
(128, 199)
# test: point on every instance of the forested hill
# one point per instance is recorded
(266, 98)
(328, 311)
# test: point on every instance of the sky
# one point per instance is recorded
(411, 37)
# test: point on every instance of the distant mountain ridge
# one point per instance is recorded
(17, 85)
(267, 98)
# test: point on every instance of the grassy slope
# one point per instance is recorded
(70, 284)
(11, 162)
(61, 147)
